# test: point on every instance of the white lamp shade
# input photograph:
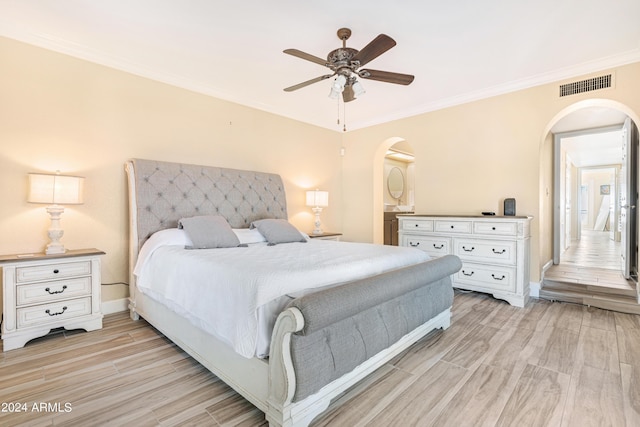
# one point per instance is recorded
(318, 198)
(55, 189)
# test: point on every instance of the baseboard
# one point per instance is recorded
(534, 289)
(115, 306)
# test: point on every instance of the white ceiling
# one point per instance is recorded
(458, 50)
(595, 149)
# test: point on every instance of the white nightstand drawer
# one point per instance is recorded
(53, 312)
(486, 251)
(496, 228)
(488, 276)
(417, 225)
(435, 246)
(53, 271)
(52, 291)
(453, 226)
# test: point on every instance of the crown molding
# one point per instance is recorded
(77, 50)
(585, 68)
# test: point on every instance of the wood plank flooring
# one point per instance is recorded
(590, 273)
(549, 364)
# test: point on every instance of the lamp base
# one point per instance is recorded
(317, 230)
(55, 233)
(55, 249)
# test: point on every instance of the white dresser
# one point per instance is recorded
(494, 250)
(42, 292)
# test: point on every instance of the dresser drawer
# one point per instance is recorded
(493, 278)
(486, 251)
(52, 312)
(434, 246)
(495, 228)
(52, 271)
(453, 226)
(417, 225)
(52, 291)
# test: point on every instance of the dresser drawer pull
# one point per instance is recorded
(56, 271)
(55, 292)
(417, 225)
(415, 245)
(467, 274)
(452, 227)
(498, 278)
(468, 250)
(499, 252)
(438, 247)
(493, 228)
(56, 314)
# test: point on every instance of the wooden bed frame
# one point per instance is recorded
(268, 384)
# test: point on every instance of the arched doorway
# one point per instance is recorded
(381, 197)
(571, 154)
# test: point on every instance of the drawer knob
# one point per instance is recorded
(415, 245)
(467, 274)
(493, 228)
(416, 225)
(438, 247)
(56, 271)
(452, 226)
(56, 314)
(497, 278)
(498, 252)
(464, 248)
(55, 292)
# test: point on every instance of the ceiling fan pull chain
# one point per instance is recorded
(344, 117)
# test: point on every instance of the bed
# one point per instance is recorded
(327, 331)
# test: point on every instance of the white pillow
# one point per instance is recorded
(248, 236)
(168, 237)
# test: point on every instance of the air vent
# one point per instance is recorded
(595, 83)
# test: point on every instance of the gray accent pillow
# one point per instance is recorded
(209, 231)
(278, 231)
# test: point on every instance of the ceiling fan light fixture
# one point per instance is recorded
(358, 89)
(337, 86)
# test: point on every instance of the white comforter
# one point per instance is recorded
(221, 290)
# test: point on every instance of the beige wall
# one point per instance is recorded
(472, 156)
(57, 112)
(61, 113)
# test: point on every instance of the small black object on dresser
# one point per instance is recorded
(509, 207)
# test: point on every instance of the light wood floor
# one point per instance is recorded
(549, 364)
(592, 260)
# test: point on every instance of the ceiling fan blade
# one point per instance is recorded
(347, 94)
(375, 48)
(307, 56)
(386, 76)
(307, 83)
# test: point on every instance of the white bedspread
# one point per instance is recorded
(221, 290)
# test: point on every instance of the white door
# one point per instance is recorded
(628, 196)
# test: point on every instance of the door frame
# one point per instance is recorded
(558, 203)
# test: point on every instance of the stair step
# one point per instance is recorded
(559, 285)
(621, 303)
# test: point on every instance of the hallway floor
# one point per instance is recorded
(592, 260)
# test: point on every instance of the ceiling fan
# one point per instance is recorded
(345, 63)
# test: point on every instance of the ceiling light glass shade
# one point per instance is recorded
(317, 198)
(337, 86)
(357, 89)
(55, 189)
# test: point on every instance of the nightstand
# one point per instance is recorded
(326, 236)
(42, 292)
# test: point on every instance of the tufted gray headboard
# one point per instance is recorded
(160, 193)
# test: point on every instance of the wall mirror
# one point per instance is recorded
(395, 183)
